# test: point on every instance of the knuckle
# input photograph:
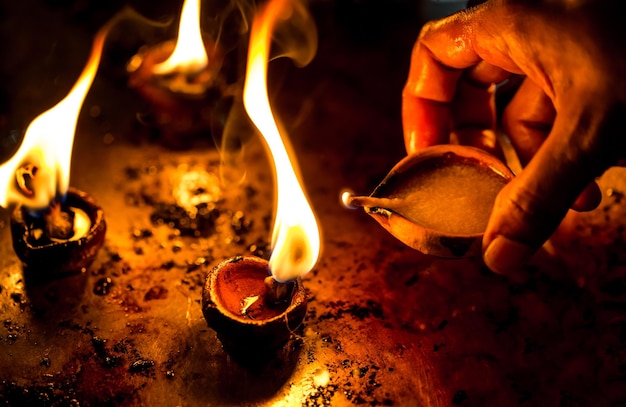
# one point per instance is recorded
(529, 217)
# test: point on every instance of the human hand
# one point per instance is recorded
(565, 120)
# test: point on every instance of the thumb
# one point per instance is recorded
(530, 208)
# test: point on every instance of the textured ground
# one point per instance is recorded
(385, 326)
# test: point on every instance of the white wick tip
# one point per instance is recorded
(346, 198)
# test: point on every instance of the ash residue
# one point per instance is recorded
(157, 292)
(45, 361)
(139, 234)
(18, 298)
(322, 396)
(371, 308)
(102, 286)
(13, 331)
(141, 365)
(198, 223)
(362, 386)
(107, 358)
(85, 383)
(121, 354)
(367, 379)
(12, 394)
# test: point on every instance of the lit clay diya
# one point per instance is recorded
(182, 104)
(438, 201)
(240, 302)
(66, 242)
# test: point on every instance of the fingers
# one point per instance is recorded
(425, 122)
(531, 206)
(447, 65)
(432, 80)
(528, 119)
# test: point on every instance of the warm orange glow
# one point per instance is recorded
(47, 146)
(296, 235)
(189, 54)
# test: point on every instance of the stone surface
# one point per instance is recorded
(386, 325)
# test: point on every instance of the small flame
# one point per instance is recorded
(39, 172)
(189, 53)
(296, 235)
(345, 197)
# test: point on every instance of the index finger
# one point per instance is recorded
(443, 50)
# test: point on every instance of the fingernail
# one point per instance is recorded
(505, 256)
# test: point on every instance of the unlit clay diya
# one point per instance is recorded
(252, 315)
(439, 200)
(63, 240)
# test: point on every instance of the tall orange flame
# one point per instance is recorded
(189, 54)
(47, 146)
(296, 235)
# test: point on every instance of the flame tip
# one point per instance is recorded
(296, 235)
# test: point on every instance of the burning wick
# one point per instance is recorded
(185, 66)
(346, 197)
(152, 83)
(253, 314)
(59, 223)
(65, 224)
(277, 292)
(64, 239)
(296, 238)
(183, 81)
(49, 235)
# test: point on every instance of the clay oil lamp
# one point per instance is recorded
(254, 305)
(181, 79)
(64, 239)
(55, 229)
(438, 201)
(253, 315)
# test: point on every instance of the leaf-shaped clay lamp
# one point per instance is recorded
(438, 201)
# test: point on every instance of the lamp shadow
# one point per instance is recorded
(60, 296)
(213, 375)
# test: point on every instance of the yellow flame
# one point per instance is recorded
(296, 235)
(47, 144)
(189, 53)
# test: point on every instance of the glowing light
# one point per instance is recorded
(345, 197)
(189, 54)
(296, 235)
(39, 172)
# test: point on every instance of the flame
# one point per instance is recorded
(45, 153)
(189, 54)
(296, 235)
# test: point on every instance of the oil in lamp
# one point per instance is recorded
(253, 315)
(254, 305)
(55, 229)
(438, 201)
(182, 80)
